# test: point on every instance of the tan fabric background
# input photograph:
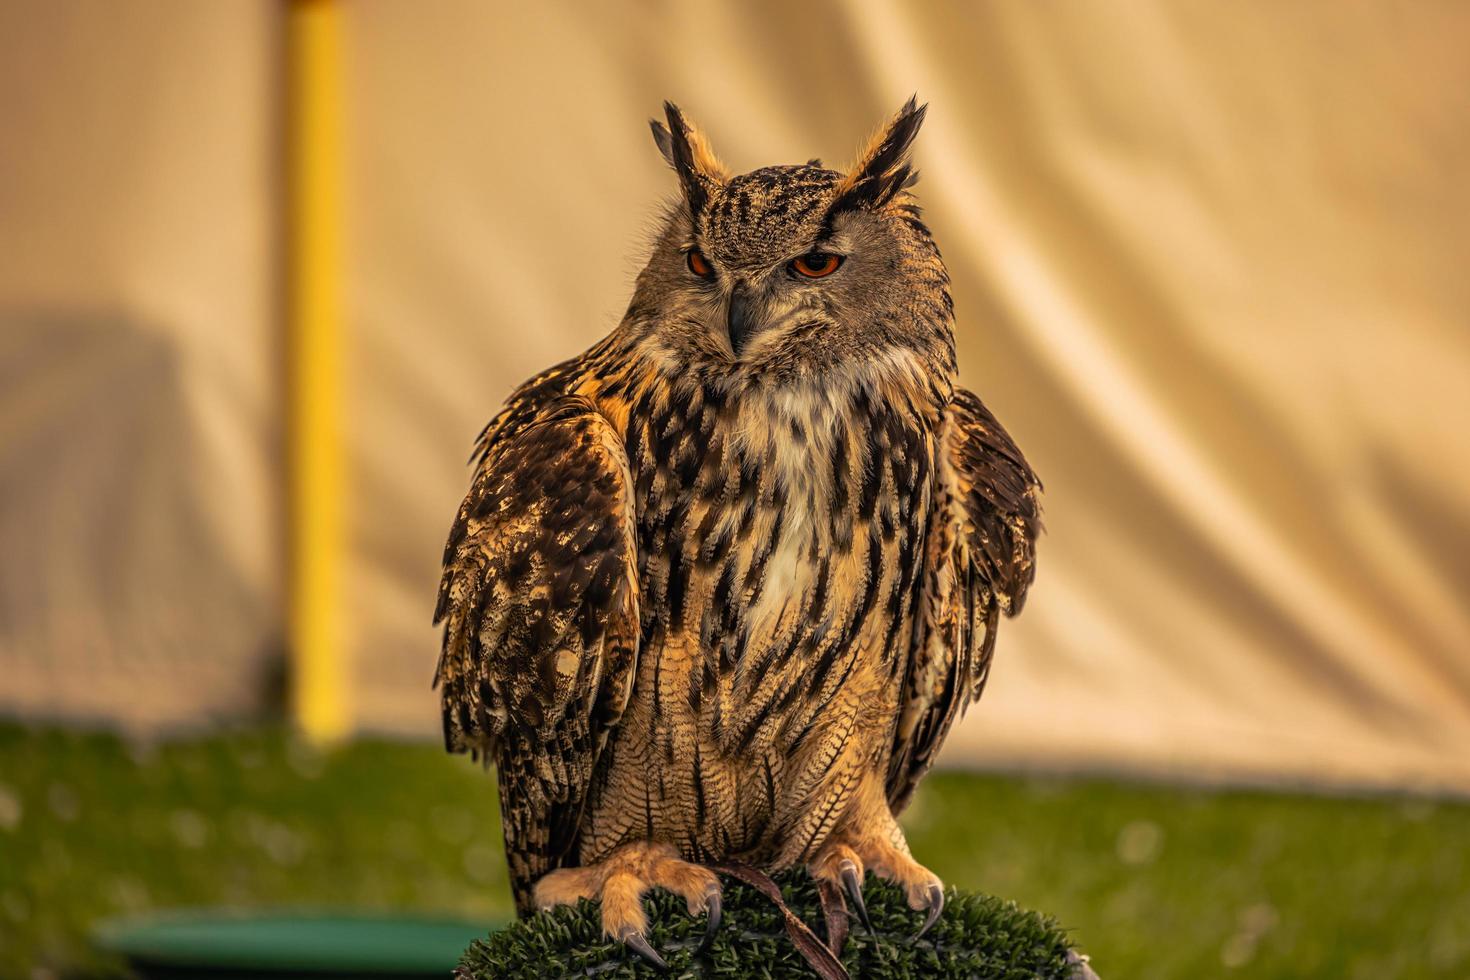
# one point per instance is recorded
(139, 392)
(1209, 266)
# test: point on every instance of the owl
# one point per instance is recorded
(722, 584)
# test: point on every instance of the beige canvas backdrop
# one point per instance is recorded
(139, 353)
(1209, 269)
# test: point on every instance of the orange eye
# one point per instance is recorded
(817, 264)
(699, 265)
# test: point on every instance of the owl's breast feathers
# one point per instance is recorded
(678, 610)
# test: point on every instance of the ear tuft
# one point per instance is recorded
(689, 153)
(663, 140)
(883, 168)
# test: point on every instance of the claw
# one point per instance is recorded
(847, 871)
(714, 908)
(936, 906)
(638, 943)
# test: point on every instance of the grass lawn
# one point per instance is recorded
(1153, 881)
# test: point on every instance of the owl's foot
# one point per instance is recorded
(877, 845)
(619, 882)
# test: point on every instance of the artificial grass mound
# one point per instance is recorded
(978, 936)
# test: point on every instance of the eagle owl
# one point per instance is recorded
(722, 583)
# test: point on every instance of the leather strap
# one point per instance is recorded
(813, 950)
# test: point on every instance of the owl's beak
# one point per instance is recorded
(741, 318)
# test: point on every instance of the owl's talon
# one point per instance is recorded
(638, 943)
(618, 883)
(848, 872)
(936, 906)
(713, 903)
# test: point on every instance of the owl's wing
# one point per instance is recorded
(539, 603)
(980, 559)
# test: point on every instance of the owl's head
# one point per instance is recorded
(791, 271)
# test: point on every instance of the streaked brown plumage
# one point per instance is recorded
(722, 583)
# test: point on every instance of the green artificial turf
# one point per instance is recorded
(977, 936)
(1152, 881)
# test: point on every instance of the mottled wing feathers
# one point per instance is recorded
(980, 560)
(1000, 497)
(539, 603)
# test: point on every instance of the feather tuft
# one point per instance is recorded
(688, 151)
(882, 169)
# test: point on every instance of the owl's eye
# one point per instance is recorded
(815, 265)
(699, 265)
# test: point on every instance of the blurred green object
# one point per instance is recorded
(280, 945)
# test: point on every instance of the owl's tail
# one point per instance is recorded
(529, 847)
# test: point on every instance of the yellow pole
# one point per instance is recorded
(319, 680)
